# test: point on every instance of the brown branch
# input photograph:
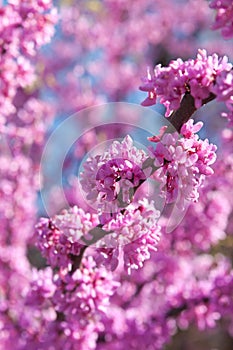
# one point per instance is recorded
(95, 234)
(176, 311)
(77, 259)
(186, 110)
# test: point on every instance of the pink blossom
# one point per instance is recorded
(224, 16)
(195, 76)
(134, 232)
(24, 27)
(117, 170)
(183, 163)
(60, 237)
(86, 293)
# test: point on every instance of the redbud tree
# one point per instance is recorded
(116, 174)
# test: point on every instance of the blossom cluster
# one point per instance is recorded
(133, 233)
(85, 293)
(67, 306)
(26, 128)
(223, 89)
(183, 163)
(103, 32)
(24, 27)
(108, 179)
(198, 77)
(172, 292)
(19, 212)
(224, 16)
(206, 222)
(60, 237)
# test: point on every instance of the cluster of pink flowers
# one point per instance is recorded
(224, 16)
(183, 163)
(205, 223)
(60, 237)
(85, 293)
(172, 292)
(108, 179)
(69, 306)
(116, 174)
(21, 211)
(103, 33)
(198, 77)
(26, 128)
(223, 89)
(24, 27)
(135, 233)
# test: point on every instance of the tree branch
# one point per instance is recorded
(77, 259)
(186, 110)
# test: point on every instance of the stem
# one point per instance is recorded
(186, 110)
(77, 259)
(177, 310)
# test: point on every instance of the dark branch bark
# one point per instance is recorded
(186, 110)
(175, 312)
(77, 259)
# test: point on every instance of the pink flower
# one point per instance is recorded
(195, 76)
(183, 163)
(60, 237)
(224, 16)
(134, 232)
(108, 179)
(85, 293)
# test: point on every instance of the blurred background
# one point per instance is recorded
(87, 54)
